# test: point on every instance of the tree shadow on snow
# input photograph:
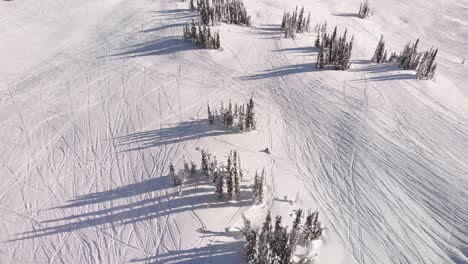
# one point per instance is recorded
(133, 203)
(306, 49)
(282, 71)
(217, 252)
(346, 15)
(157, 47)
(184, 131)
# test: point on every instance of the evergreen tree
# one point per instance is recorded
(317, 42)
(235, 173)
(174, 177)
(250, 117)
(265, 239)
(241, 119)
(210, 115)
(379, 51)
(192, 5)
(293, 237)
(312, 229)
(300, 21)
(230, 180)
(364, 10)
(219, 183)
(250, 248)
(256, 189)
(307, 24)
(205, 163)
(276, 245)
(193, 169)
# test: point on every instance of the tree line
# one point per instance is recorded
(212, 12)
(409, 59)
(201, 36)
(334, 50)
(274, 244)
(295, 23)
(241, 116)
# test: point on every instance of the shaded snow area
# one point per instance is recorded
(98, 97)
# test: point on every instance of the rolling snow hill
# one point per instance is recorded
(98, 97)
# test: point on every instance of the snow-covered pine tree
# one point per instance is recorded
(219, 181)
(276, 244)
(427, 67)
(235, 172)
(250, 116)
(210, 115)
(283, 22)
(204, 163)
(293, 237)
(230, 179)
(255, 195)
(251, 243)
(364, 10)
(312, 228)
(186, 168)
(192, 5)
(241, 173)
(379, 51)
(174, 177)
(241, 121)
(300, 21)
(193, 169)
(264, 241)
(317, 41)
(193, 35)
(218, 41)
(307, 24)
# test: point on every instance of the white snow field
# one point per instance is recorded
(97, 97)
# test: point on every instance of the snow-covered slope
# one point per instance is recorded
(97, 97)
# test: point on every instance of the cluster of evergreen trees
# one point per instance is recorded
(179, 177)
(295, 23)
(227, 180)
(364, 10)
(242, 116)
(321, 28)
(275, 244)
(212, 12)
(334, 50)
(422, 62)
(409, 59)
(201, 36)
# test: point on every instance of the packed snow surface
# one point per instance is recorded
(97, 97)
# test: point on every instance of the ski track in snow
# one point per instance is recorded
(89, 127)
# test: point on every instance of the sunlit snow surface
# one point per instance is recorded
(97, 97)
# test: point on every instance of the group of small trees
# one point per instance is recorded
(422, 62)
(409, 59)
(242, 116)
(212, 12)
(227, 180)
(321, 28)
(177, 178)
(295, 23)
(334, 50)
(364, 10)
(201, 36)
(274, 244)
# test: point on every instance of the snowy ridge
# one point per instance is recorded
(96, 99)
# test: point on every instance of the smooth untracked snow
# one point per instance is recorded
(97, 98)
